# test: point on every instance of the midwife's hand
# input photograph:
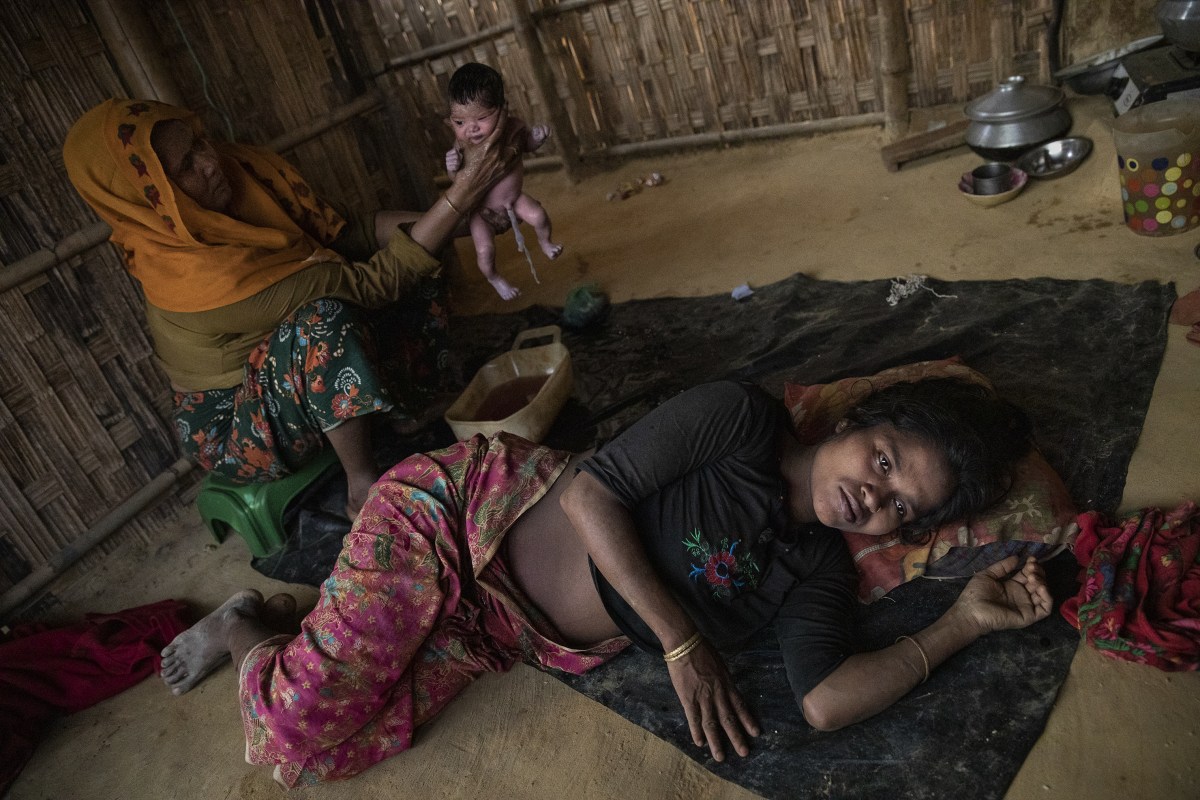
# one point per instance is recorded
(487, 162)
(996, 602)
(453, 161)
(711, 701)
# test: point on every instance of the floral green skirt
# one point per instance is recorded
(315, 371)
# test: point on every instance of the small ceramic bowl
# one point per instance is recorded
(1057, 158)
(966, 185)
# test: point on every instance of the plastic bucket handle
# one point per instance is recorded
(553, 331)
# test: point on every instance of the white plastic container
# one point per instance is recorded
(520, 392)
(1158, 155)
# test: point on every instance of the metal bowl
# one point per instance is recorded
(1057, 158)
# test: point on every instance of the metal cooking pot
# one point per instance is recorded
(1014, 118)
(1180, 22)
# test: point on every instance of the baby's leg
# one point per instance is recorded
(485, 255)
(531, 211)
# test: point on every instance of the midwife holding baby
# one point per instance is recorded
(255, 287)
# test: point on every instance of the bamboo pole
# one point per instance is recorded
(105, 527)
(35, 264)
(544, 88)
(742, 135)
(399, 122)
(134, 46)
(894, 68)
(360, 105)
(1002, 36)
(464, 42)
(441, 49)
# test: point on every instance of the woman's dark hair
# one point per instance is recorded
(981, 435)
(477, 83)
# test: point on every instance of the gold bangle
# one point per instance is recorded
(453, 207)
(921, 650)
(683, 649)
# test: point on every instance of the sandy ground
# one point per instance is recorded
(823, 206)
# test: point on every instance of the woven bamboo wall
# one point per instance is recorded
(82, 406)
(644, 70)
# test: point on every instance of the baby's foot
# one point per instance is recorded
(551, 249)
(205, 646)
(505, 289)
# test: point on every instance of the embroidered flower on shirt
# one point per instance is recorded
(724, 569)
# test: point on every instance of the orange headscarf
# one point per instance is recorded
(186, 257)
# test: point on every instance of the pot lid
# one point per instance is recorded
(1013, 100)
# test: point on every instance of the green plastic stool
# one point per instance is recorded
(255, 510)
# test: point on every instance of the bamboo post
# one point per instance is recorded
(134, 46)
(894, 68)
(544, 88)
(1003, 38)
(358, 20)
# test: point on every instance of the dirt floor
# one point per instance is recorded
(825, 207)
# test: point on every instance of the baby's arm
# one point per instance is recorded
(529, 139)
(454, 162)
(538, 135)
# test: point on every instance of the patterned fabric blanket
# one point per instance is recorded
(1140, 599)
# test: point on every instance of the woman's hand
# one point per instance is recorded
(996, 602)
(487, 162)
(711, 702)
(482, 165)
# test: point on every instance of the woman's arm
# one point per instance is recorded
(710, 701)
(866, 683)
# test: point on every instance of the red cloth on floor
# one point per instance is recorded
(1140, 599)
(47, 672)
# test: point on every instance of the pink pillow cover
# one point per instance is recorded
(1036, 517)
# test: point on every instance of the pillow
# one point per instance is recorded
(1035, 518)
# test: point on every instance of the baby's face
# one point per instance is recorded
(472, 122)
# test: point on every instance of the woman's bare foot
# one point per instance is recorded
(206, 645)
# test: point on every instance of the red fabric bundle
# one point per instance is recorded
(46, 672)
(1140, 599)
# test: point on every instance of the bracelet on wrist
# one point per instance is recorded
(921, 650)
(453, 207)
(679, 652)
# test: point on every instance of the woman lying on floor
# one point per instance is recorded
(699, 525)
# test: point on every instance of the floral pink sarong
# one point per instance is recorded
(418, 605)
